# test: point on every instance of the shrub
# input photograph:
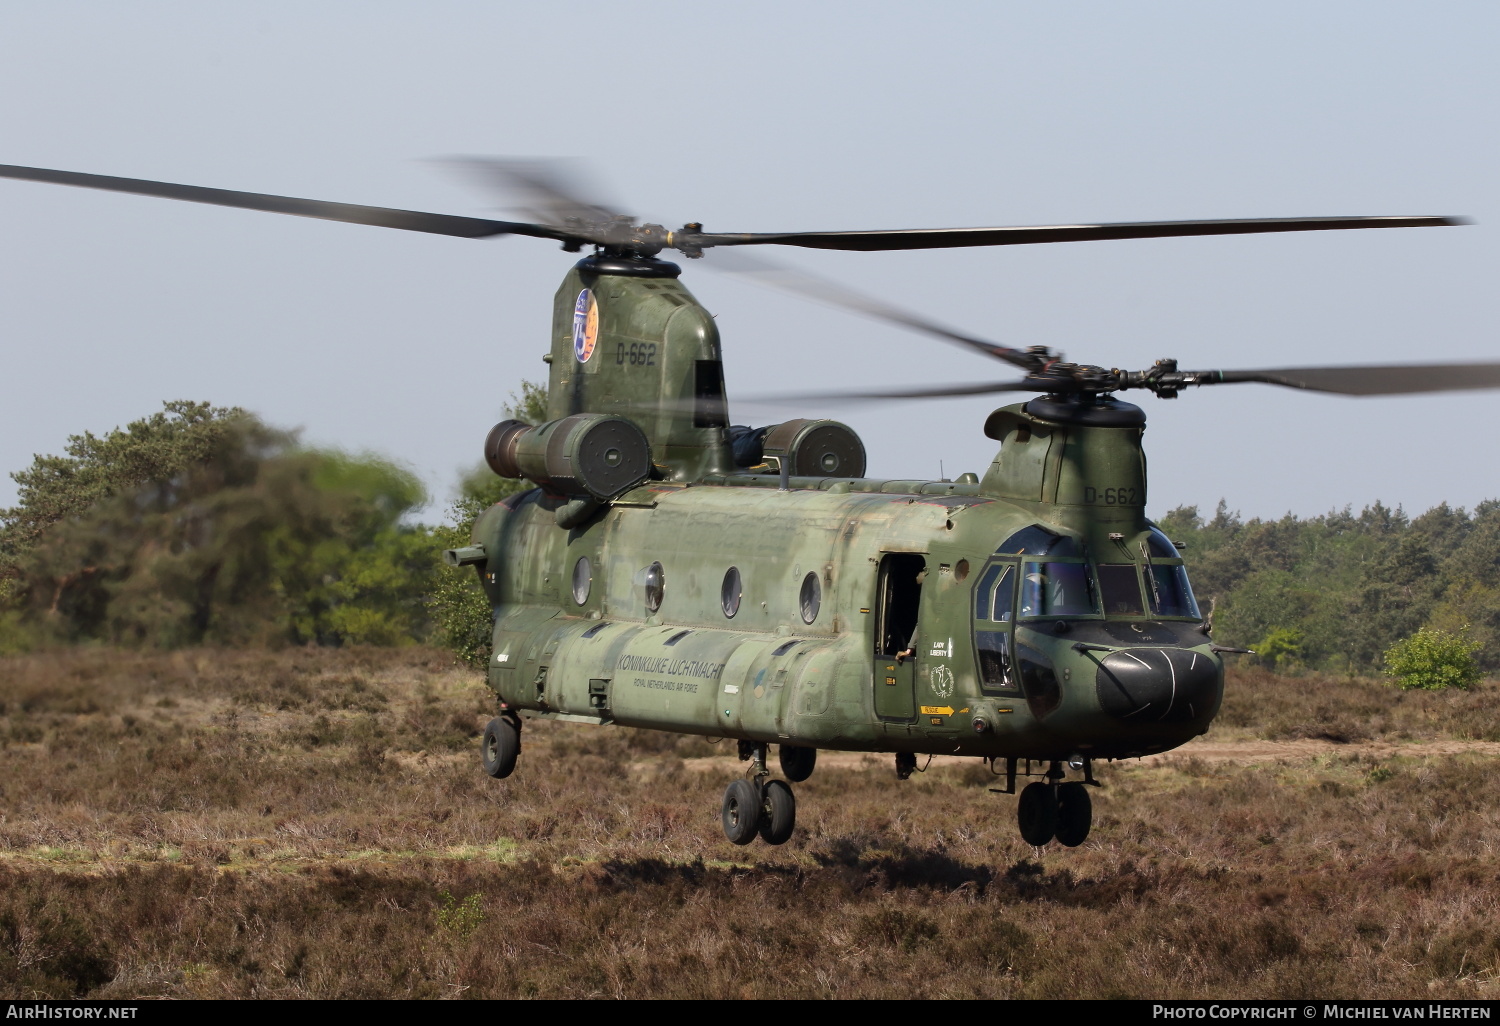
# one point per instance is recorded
(1434, 659)
(1281, 648)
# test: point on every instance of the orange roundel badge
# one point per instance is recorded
(585, 326)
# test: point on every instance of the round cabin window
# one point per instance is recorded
(656, 582)
(729, 594)
(811, 598)
(583, 579)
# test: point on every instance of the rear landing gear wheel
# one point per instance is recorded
(797, 762)
(741, 814)
(500, 747)
(1075, 814)
(1036, 813)
(778, 813)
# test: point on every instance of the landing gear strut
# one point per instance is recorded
(760, 806)
(1055, 808)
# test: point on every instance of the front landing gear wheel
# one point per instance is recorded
(778, 813)
(797, 762)
(1075, 814)
(1037, 813)
(741, 813)
(500, 746)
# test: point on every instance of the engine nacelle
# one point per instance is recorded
(587, 455)
(815, 448)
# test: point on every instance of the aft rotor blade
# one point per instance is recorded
(946, 238)
(823, 290)
(1390, 379)
(383, 217)
(549, 189)
(933, 392)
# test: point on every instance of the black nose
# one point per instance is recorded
(1158, 685)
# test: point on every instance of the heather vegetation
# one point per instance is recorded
(312, 822)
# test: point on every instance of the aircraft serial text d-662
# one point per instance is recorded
(675, 572)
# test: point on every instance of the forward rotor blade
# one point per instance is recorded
(946, 238)
(550, 190)
(382, 217)
(1389, 379)
(823, 290)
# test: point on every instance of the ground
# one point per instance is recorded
(313, 823)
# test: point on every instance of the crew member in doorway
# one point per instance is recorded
(916, 628)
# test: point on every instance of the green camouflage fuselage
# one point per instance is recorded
(735, 602)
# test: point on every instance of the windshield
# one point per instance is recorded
(1058, 589)
(1120, 585)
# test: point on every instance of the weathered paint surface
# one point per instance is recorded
(576, 635)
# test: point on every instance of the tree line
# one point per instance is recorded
(201, 525)
(1336, 592)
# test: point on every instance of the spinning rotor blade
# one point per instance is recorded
(1073, 379)
(823, 290)
(945, 238)
(1387, 379)
(549, 192)
(934, 392)
(382, 217)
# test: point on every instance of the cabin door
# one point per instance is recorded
(898, 598)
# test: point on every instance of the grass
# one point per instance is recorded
(313, 823)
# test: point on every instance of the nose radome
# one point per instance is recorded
(1158, 685)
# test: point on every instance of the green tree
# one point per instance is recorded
(202, 525)
(1433, 659)
(158, 448)
(1281, 648)
(460, 609)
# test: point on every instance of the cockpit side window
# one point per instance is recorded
(1170, 593)
(993, 596)
(994, 607)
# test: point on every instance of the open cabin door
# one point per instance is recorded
(898, 598)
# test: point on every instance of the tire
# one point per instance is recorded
(500, 747)
(797, 762)
(778, 813)
(1036, 813)
(741, 813)
(1075, 814)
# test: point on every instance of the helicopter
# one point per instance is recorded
(673, 571)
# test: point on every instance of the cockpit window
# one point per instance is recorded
(1170, 592)
(992, 597)
(1038, 541)
(1057, 589)
(1120, 587)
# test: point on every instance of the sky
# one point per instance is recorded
(776, 116)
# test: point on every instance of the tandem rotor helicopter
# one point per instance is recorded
(676, 572)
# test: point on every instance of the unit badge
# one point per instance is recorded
(585, 326)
